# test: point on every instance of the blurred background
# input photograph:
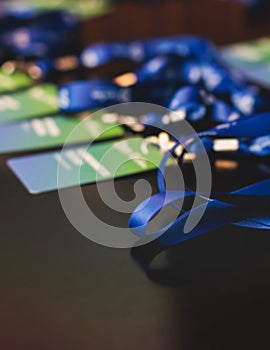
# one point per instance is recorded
(223, 21)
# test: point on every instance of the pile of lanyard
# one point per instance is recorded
(187, 76)
(247, 207)
(184, 74)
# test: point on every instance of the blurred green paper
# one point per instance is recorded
(14, 81)
(251, 58)
(83, 8)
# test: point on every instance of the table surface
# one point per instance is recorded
(62, 291)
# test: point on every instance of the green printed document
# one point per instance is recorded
(82, 165)
(37, 101)
(14, 81)
(49, 132)
(83, 8)
(251, 58)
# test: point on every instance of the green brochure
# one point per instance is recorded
(251, 58)
(13, 81)
(49, 132)
(83, 8)
(82, 165)
(38, 101)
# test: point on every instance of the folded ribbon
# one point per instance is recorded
(247, 207)
(248, 213)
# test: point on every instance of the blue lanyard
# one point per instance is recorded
(196, 104)
(164, 57)
(255, 127)
(15, 13)
(197, 90)
(160, 68)
(259, 146)
(241, 208)
(89, 95)
(50, 34)
(218, 214)
(226, 209)
(138, 51)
